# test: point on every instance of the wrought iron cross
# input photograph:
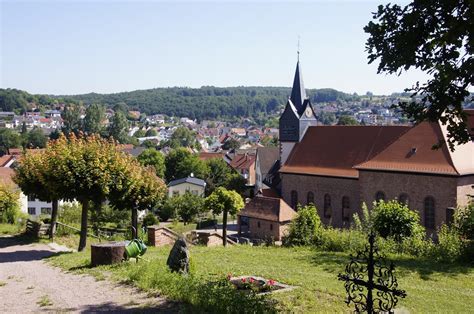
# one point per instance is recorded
(379, 278)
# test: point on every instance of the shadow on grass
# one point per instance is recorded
(19, 239)
(424, 266)
(110, 307)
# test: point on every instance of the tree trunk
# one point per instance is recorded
(54, 218)
(224, 228)
(134, 223)
(83, 239)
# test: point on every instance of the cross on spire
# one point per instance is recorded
(298, 50)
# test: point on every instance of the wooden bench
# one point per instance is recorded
(37, 228)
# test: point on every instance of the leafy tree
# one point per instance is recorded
(347, 120)
(464, 221)
(140, 133)
(219, 174)
(151, 132)
(327, 118)
(93, 121)
(71, 119)
(150, 219)
(9, 139)
(121, 106)
(306, 228)
(9, 204)
(149, 144)
(35, 139)
(183, 137)
(152, 157)
(226, 202)
(180, 163)
(231, 143)
(188, 206)
(269, 141)
(393, 219)
(237, 183)
(118, 127)
(435, 37)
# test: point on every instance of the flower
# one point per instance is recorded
(271, 282)
(244, 280)
(251, 279)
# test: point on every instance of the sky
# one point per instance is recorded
(75, 47)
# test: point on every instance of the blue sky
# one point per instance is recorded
(59, 47)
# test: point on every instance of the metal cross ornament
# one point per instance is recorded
(367, 273)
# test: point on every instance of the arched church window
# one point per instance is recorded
(403, 199)
(379, 196)
(310, 198)
(294, 199)
(327, 206)
(429, 206)
(346, 206)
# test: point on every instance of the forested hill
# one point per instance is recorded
(201, 103)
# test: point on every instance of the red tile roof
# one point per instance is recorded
(6, 175)
(413, 152)
(268, 208)
(242, 161)
(210, 155)
(335, 150)
(5, 159)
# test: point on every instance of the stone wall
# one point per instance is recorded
(417, 186)
(465, 188)
(337, 188)
(160, 236)
(264, 229)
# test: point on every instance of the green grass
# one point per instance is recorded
(10, 229)
(430, 286)
(44, 301)
(180, 227)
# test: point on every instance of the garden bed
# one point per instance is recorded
(259, 285)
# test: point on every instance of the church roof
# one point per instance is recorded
(268, 208)
(413, 152)
(298, 94)
(335, 150)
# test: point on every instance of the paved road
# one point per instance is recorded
(28, 284)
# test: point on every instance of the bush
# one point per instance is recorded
(464, 221)
(306, 228)
(392, 219)
(450, 246)
(9, 204)
(70, 213)
(341, 240)
(167, 211)
(150, 220)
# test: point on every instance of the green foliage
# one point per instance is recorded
(93, 121)
(223, 200)
(118, 127)
(140, 133)
(70, 213)
(341, 240)
(71, 119)
(152, 157)
(9, 139)
(150, 219)
(436, 38)
(35, 139)
(305, 229)
(347, 120)
(450, 245)
(364, 222)
(219, 174)
(190, 206)
(393, 219)
(183, 137)
(9, 204)
(180, 163)
(464, 221)
(231, 143)
(327, 118)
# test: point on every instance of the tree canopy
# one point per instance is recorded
(435, 37)
(154, 158)
(180, 163)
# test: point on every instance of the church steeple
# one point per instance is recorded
(298, 94)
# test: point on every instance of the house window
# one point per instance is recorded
(327, 206)
(31, 198)
(271, 227)
(175, 193)
(379, 196)
(310, 198)
(258, 224)
(46, 210)
(194, 192)
(346, 205)
(449, 215)
(403, 199)
(429, 212)
(32, 210)
(294, 199)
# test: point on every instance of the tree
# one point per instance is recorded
(118, 127)
(219, 174)
(9, 203)
(93, 121)
(226, 202)
(306, 228)
(9, 139)
(140, 133)
(35, 139)
(347, 120)
(151, 132)
(188, 206)
(154, 158)
(183, 137)
(71, 119)
(435, 37)
(180, 163)
(231, 143)
(327, 118)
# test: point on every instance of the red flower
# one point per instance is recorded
(271, 282)
(251, 279)
(243, 280)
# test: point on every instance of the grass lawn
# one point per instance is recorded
(431, 287)
(10, 229)
(180, 227)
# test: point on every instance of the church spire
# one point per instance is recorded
(298, 94)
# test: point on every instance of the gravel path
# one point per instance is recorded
(28, 284)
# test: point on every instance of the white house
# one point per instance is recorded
(190, 184)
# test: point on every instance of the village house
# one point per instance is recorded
(189, 184)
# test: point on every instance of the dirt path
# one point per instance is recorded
(28, 284)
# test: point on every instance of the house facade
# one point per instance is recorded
(189, 184)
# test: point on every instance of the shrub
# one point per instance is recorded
(364, 221)
(306, 228)
(150, 219)
(341, 240)
(392, 219)
(9, 204)
(70, 213)
(464, 221)
(450, 247)
(168, 210)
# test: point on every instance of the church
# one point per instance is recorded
(338, 168)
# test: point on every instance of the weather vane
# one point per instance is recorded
(298, 51)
